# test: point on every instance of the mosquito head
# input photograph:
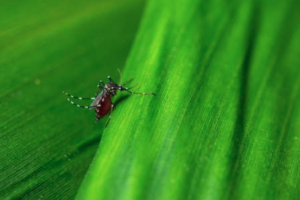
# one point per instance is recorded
(111, 88)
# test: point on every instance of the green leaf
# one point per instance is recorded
(46, 143)
(225, 123)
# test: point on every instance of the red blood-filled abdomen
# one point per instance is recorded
(105, 107)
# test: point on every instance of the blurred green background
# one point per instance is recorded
(225, 123)
(48, 47)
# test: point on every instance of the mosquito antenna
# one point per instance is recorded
(128, 82)
(134, 86)
(121, 77)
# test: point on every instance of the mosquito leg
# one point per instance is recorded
(111, 109)
(77, 105)
(97, 119)
(142, 93)
(97, 110)
(100, 86)
(80, 98)
(110, 80)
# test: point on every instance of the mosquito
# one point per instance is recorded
(102, 102)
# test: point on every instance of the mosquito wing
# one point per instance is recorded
(97, 101)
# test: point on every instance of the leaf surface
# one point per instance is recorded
(225, 122)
